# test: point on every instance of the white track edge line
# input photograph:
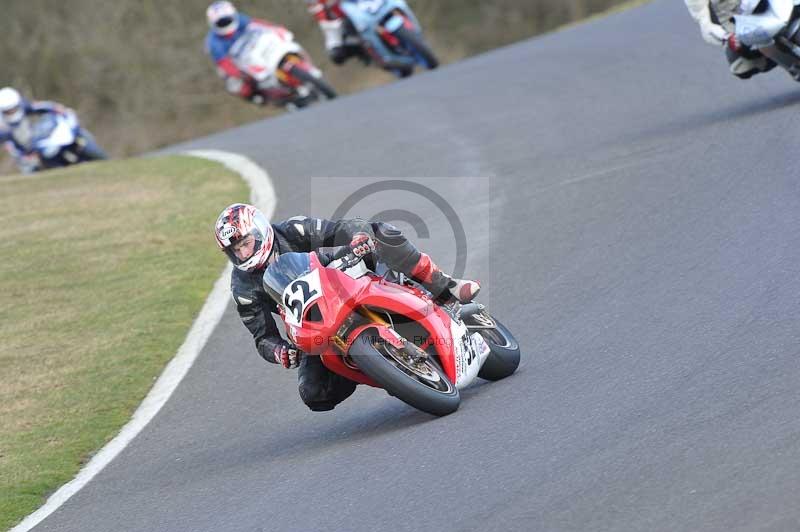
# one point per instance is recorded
(262, 195)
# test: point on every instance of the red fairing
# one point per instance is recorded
(388, 37)
(229, 70)
(228, 67)
(261, 23)
(342, 295)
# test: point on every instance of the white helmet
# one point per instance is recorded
(223, 18)
(11, 106)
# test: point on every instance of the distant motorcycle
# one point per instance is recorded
(279, 68)
(391, 34)
(387, 331)
(773, 28)
(53, 140)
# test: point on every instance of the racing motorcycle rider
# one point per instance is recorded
(715, 18)
(15, 129)
(341, 41)
(226, 24)
(252, 243)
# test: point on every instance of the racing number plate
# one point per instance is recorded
(298, 296)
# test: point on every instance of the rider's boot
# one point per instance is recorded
(744, 63)
(442, 286)
(744, 67)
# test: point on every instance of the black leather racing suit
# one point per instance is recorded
(320, 389)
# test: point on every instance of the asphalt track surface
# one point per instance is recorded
(640, 234)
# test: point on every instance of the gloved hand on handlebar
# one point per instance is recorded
(362, 245)
(287, 355)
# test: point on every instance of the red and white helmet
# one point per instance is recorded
(239, 221)
(223, 19)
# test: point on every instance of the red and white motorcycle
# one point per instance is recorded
(387, 331)
(279, 68)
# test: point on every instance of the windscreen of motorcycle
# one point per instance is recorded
(286, 268)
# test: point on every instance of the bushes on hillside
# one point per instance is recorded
(137, 74)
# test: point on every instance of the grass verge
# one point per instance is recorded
(104, 267)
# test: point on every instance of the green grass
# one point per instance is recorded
(104, 267)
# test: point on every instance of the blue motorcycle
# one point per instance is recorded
(391, 34)
(59, 140)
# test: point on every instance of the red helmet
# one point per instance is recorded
(234, 225)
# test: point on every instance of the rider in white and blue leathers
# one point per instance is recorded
(14, 109)
(16, 134)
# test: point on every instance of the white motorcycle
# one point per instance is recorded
(53, 140)
(279, 68)
(772, 27)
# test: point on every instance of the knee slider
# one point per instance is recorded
(310, 394)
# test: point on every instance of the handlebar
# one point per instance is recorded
(341, 252)
(343, 258)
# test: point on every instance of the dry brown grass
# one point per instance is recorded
(137, 74)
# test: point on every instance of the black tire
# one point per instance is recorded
(375, 359)
(505, 355)
(321, 87)
(415, 41)
(90, 150)
(93, 155)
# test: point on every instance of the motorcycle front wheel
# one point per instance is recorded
(321, 87)
(505, 355)
(406, 373)
(418, 46)
(89, 150)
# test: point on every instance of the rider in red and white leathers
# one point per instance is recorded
(226, 25)
(341, 42)
(252, 243)
(715, 18)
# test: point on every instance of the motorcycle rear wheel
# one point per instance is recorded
(422, 384)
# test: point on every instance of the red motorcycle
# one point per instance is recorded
(387, 331)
